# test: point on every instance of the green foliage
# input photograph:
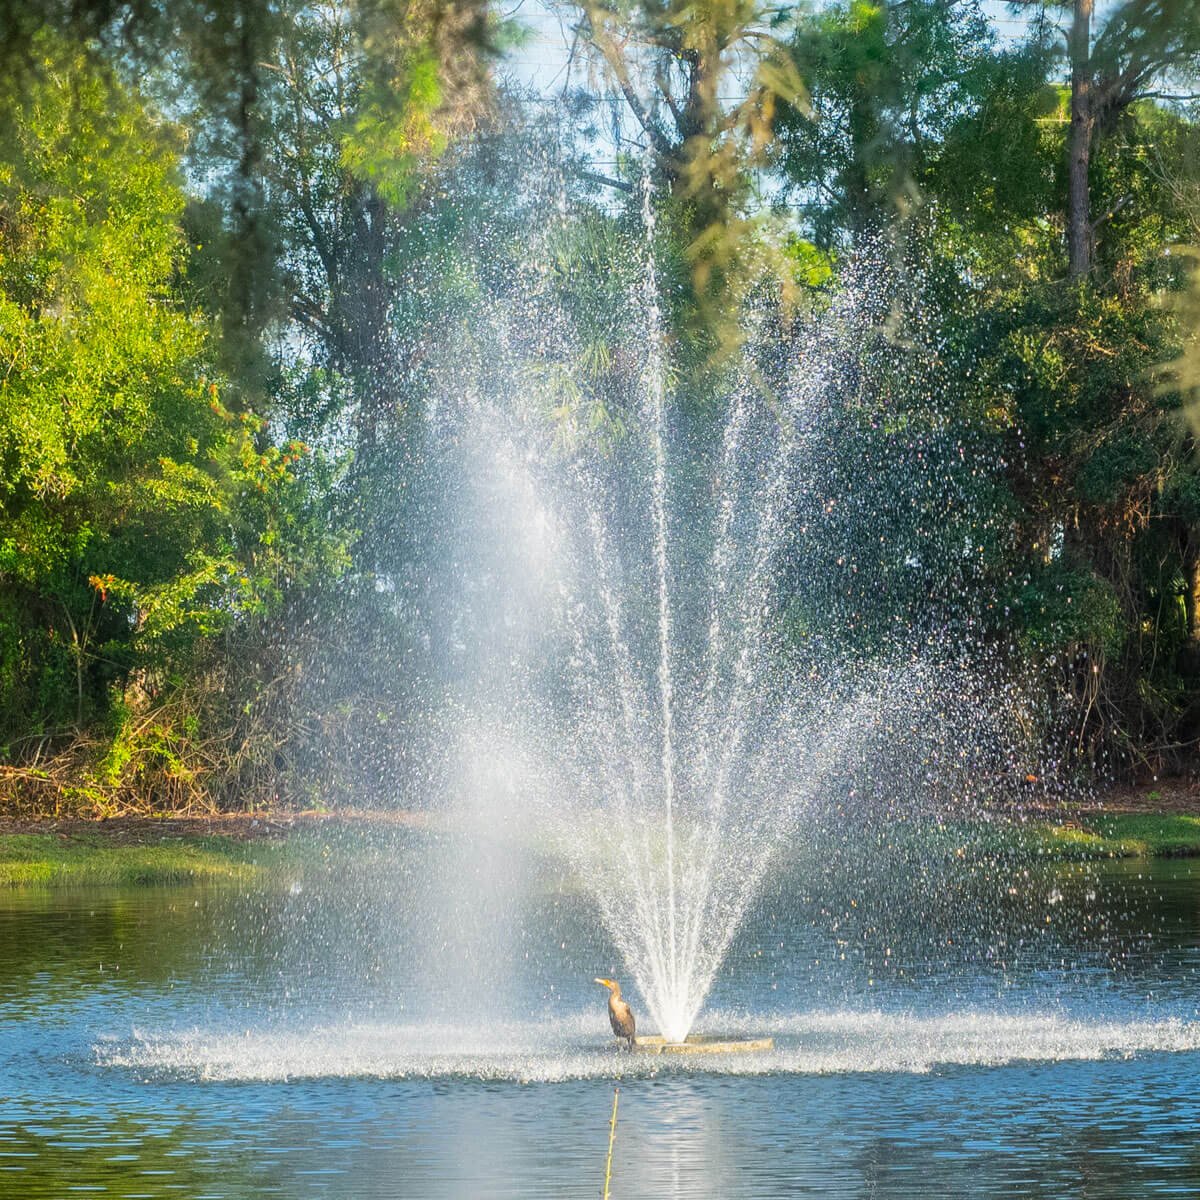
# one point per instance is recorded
(1104, 472)
(704, 82)
(813, 268)
(364, 210)
(139, 519)
(956, 151)
(1059, 609)
(884, 83)
(103, 403)
(420, 80)
(386, 151)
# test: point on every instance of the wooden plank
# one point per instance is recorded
(701, 1045)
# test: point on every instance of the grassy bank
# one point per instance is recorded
(96, 860)
(238, 848)
(1124, 835)
(95, 854)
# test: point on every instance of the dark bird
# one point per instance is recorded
(620, 1015)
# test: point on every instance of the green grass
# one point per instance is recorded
(97, 860)
(92, 860)
(1166, 836)
(1127, 835)
(1118, 836)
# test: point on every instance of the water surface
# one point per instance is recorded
(988, 1029)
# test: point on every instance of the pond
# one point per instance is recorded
(993, 1029)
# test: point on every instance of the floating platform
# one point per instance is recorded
(701, 1043)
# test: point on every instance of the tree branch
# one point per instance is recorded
(312, 317)
(1112, 212)
(612, 55)
(604, 181)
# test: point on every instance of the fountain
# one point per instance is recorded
(669, 761)
(641, 662)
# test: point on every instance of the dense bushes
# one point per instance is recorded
(145, 531)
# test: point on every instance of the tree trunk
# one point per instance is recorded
(367, 308)
(1079, 229)
(1187, 661)
(1191, 596)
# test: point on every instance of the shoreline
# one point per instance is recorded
(251, 848)
(254, 848)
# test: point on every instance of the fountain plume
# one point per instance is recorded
(675, 726)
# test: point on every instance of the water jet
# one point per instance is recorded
(646, 673)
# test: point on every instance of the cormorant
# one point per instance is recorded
(620, 1015)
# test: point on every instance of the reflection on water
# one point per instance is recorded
(990, 1030)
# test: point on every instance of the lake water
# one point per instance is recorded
(423, 1024)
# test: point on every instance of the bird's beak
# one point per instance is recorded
(607, 982)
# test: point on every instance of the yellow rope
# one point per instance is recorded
(612, 1130)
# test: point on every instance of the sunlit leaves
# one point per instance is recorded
(418, 77)
(137, 514)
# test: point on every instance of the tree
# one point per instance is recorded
(701, 84)
(412, 72)
(139, 519)
(357, 102)
(1085, 536)
(1096, 579)
(1144, 43)
(885, 83)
